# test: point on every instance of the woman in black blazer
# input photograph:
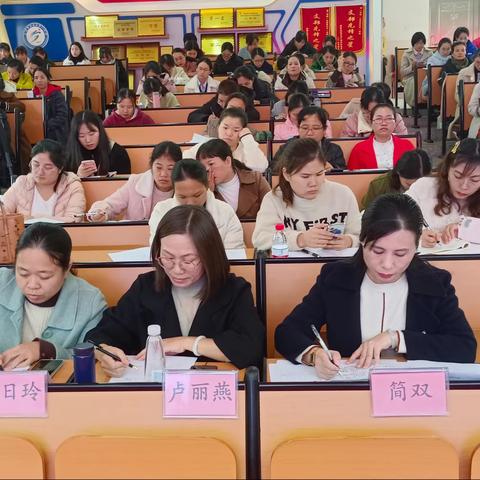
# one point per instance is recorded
(385, 297)
(200, 306)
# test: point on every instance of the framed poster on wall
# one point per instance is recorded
(213, 18)
(98, 26)
(211, 43)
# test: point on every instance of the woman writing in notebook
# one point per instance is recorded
(202, 308)
(454, 192)
(384, 298)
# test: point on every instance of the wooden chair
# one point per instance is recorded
(15, 121)
(98, 189)
(79, 88)
(194, 99)
(323, 75)
(385, 457)
(96, 100)
(19, 459)
(334, 109)
(449, 105)
(419, 75)
(465, 90)
(434, 97)
(122, 457)
(475, 471)
(34, 124)
(396, 81)
(320, 82)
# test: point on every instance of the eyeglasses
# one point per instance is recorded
(168, 263)
(379, 120)
(313, 128)
(349, 64)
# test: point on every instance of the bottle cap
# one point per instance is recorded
(154, 330)
(279, 226)
(83, 349)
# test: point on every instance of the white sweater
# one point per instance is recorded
(225, 218)
(247, 152)
(424, 192)
(192, 85)
(335, 203)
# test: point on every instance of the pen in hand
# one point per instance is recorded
(322, 344)
(109, 354)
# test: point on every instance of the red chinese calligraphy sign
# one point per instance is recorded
(350, 28)
(316, 23)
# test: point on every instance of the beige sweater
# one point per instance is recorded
(335, 203)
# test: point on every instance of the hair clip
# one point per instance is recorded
(455, 147)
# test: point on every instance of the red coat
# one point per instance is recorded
(363, 154)
(139, 118)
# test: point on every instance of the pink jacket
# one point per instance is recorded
(71, 197)
(134, 199)
(358, 127)
(285, 130)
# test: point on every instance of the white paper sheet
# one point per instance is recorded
(456, 246)
(31, 221)
(236, 254)
(141, 254)
(284, 371)
(173, 362)
(322, 252)
(197, 138)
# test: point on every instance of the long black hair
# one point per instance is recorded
(82, 55)
(76, 153)
(413, 164)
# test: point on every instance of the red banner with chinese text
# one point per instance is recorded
(316, 23)
(350, 28)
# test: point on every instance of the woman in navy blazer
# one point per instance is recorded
(384, 297)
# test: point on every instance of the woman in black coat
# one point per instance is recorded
(384, 298)
(227, 61)
(202, 309)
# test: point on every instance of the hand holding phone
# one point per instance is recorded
(87, 168)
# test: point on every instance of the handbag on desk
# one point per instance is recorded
(11, 227)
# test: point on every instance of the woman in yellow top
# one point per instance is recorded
(16, 74)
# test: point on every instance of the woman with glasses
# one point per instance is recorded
(381, 149)
(316, 213)
(313, 123)
(346, 75)
(203, 310)
(454, 192)
(47, 191)
(191, 187)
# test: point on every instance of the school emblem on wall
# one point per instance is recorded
(35, 35)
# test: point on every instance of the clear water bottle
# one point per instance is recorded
(279, 242)
(154, 355)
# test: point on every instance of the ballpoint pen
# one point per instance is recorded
(308, 252)
(322, 344)
(110, 354)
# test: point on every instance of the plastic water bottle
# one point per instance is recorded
(154, 355)
(279, 242)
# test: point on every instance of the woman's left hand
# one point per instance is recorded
(176, 345)
(22, 355)
(244, 131)
(450, 232)
(339, 242)
(369, 352)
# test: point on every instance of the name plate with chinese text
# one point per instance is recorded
(409, 392)
(23, 394)
(190, 394)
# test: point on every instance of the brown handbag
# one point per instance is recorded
(11, 227)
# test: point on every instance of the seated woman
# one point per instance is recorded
(251, 40)
(360, 124)
(202, 82)
(231, 181)
(235, 100)
(56, 114)
(136, 199)
(279, 109)
(200, 307)
(458, 61)
(412, 165)
(346, 75)
(381, 149)
(90, 152)
(259, 61)
(177, 74)
(438, 59)
(246, 77)
(307, 204)
(21, 54)
(313, 123)
(234, 131)
(384, 298)
(413, 58)
(48, 191)
(105, 57)
(294, 72)
(152, 69)
(289, 128)
(300, 44)
(353, 106)
(76, 55)
(127, 114)
(16, 74)
(461, 34)
(190, 184)
(44, 310)
(181, 60)
(192, 50)
(156, 95)
(326, 60)
(454, 192)
(227, 61)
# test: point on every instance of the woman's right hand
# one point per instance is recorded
(86, 169)
(211, 179)
(429, 238)
(112, 367)
(97, 216)
(324, 368)
(316, 237)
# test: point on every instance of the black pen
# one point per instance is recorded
(110, 354)
(308, 252)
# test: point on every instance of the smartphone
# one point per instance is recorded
(205, 367)
(51, 366)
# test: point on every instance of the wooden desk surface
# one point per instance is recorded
(66, 371)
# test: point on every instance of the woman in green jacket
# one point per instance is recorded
(411, 166)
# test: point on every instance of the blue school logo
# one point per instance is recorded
(35, 35)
